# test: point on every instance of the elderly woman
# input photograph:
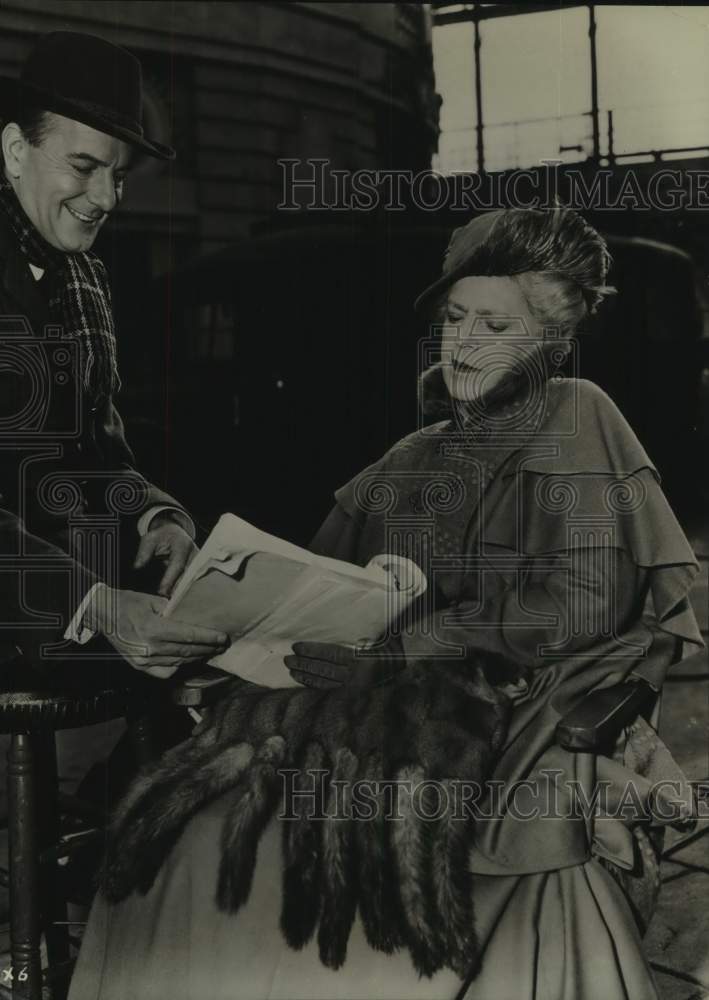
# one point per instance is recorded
(555, 567)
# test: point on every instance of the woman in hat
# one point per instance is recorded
(555, 567)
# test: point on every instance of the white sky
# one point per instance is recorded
(653, 65)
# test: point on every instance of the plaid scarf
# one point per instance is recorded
(79, 297)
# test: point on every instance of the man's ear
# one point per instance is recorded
(14, 149)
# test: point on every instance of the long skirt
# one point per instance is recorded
(551, 936)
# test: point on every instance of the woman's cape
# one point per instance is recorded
(573, 475)
(587, 481)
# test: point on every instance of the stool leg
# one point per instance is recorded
(56, 930)
(24, 867)
(140, 735)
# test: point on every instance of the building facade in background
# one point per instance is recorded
(237, 86)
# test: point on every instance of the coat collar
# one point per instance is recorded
(19, 283)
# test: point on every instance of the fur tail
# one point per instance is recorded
(339, 886)
(453, 886)
(154, 778)
(244, 823)
(302, 862)
(411, 841)
(140, 837)
(379, 903)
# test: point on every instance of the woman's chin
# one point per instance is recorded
(468, 387)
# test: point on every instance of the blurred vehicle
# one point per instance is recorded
(644, 349)
(293, 362)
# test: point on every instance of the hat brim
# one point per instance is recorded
(14, 93)
(464, 243)
(441, 285)
(430, 294)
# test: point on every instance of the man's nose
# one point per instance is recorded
(102, 191)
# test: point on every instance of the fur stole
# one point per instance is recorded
(433, 725)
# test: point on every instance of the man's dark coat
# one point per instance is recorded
(70, 498)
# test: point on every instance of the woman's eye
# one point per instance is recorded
(497, 327)
(84, 171)
(455, 316)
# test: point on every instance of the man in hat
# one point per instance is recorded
(70, 498)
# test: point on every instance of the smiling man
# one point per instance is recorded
(70, 181)
(75, 517)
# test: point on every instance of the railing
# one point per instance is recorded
(517, 144)
(661, 133)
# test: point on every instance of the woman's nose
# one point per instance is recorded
(472, 344)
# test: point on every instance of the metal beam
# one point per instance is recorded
(594, 83)
(479, 100)
(485, 12)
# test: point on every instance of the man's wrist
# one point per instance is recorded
(163, 518)
(95, 614)
(162, 514)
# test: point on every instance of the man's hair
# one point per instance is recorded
(35, 122)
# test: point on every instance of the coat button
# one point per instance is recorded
(78, 446)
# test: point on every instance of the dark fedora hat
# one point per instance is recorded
(85, 78)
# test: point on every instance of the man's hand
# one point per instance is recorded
(329, 665)
(168, 541)
(134, 626)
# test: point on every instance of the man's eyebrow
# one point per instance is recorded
(94, 160)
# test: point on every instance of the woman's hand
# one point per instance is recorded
(330, 665)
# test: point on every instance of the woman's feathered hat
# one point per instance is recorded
(87, 79)
(516, 240)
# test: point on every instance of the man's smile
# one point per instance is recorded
(89, 220)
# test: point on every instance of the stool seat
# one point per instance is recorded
(23, 711)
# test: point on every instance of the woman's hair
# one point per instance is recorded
(554, 300)
(558, 259)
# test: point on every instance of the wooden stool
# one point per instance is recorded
(36, 841)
